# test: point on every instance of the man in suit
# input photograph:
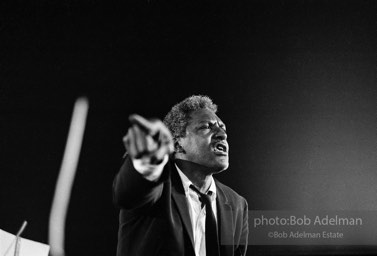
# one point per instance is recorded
(170, 203)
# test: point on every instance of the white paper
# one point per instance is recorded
(27, 247)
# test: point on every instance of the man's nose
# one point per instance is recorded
(221, 133)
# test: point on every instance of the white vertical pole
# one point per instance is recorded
(66, 176)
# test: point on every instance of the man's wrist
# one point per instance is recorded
(151, 172)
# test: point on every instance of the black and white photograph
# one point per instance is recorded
(188, 128)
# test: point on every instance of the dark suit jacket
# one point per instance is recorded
(154, 217)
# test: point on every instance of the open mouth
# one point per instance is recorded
(221, 148)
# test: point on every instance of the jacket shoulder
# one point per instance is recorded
(232, 196)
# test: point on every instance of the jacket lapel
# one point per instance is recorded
(226, 228)
(179, 197)
(224, 214)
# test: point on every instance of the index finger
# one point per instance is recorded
(147, 126)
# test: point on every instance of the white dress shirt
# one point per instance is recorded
(197, 212)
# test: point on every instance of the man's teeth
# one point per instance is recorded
(220, 147)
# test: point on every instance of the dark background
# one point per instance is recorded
(295, 82)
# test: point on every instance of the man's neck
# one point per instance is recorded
(198, 174)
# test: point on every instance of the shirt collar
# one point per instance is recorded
(187, 182)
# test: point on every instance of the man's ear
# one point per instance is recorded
(178, 148)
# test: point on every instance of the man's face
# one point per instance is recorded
(205, 141)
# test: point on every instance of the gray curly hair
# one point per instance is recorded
(178, 117)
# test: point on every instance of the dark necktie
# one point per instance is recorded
(211, 235)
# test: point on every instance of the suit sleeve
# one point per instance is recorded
(245, 228)
(242, 248)
(131, 190)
